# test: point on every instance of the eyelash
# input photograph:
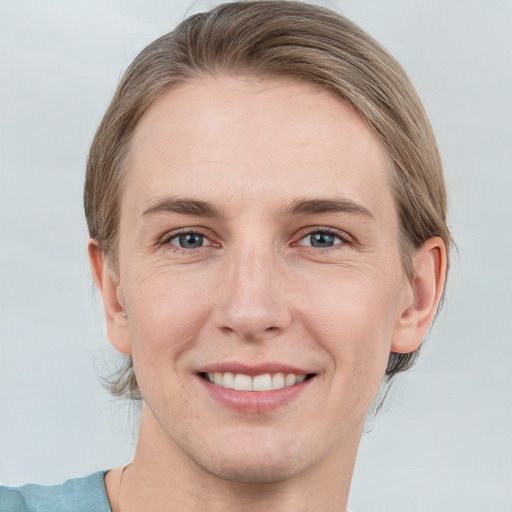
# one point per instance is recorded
(343, 238)
(166, 240)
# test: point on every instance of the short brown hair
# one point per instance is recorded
(276, 38)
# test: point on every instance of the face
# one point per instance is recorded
(258, 250)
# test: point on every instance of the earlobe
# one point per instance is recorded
(425, 292)
(116, 318)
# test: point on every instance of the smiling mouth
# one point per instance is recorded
(264, 382)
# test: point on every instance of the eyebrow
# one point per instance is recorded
(299, 206)
(184, 207)
(318, 206)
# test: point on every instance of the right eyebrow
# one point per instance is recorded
(184, 207)
(303, 206)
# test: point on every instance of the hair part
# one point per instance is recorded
(275, 39)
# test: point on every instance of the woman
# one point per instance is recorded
(267, 214)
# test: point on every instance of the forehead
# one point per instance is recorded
(239, 141)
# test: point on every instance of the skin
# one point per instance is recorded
(257, 291)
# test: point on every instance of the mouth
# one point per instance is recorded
(257, 388)
(258, 383)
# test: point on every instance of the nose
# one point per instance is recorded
(254, 303)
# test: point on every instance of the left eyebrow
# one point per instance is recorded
(318, 206)
(184, 206)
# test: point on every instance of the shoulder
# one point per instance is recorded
(85, 494)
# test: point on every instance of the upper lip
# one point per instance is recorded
(253, 369)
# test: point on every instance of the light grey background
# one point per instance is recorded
(444, 442)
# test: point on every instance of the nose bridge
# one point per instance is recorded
(253, 258)
(252, 300)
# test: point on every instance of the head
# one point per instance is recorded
(287, 42)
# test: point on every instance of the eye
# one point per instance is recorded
(189, 240)
(322, 239)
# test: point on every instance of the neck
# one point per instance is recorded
(162, 475)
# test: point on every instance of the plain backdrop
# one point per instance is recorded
(443, 441)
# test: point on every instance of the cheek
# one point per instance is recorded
(353, 318)
(352, 322)
(166, 310)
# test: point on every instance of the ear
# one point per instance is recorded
(113, 303)
(422, 297)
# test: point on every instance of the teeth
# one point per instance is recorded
(265, 382)
(228, 381)
(242, 382)
(262, 382)
(290, 380)
(277, 381)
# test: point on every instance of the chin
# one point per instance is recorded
(259, 472)
(260, 463)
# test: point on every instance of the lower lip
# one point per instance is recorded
(255, 401)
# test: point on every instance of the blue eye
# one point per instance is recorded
(188, 240)
(321, 239)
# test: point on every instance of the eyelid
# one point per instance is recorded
(304, 233)
(171, 235)
(341, 235)
(206, 241)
